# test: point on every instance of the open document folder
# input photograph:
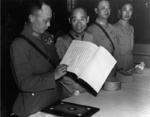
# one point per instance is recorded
(89, 62)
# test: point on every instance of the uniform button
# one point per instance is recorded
(32, 94)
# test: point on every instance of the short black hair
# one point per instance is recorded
(97, 3)
(76, 8)
(29, 6)
(34, 5)
(125, 2)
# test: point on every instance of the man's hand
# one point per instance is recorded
(60, 71)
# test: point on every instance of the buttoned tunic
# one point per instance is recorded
(125, 43)
(62, 44)
(100, 39)
(34, 75)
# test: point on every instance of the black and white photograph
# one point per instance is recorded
(75, 58)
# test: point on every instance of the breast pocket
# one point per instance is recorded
(120, 40)
(38, 62)
(104, 41)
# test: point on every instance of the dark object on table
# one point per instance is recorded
(66, 109)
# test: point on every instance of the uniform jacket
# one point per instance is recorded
(62, 44)
(125, 42)
(100, 39)
(34, 75)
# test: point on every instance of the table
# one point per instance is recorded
(133, 100)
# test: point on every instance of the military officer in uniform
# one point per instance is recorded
(104, 33)
(100, 38)
(34, 74)
(125, 40)
(78, 20)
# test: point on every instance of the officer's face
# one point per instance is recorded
(79, 21)
(126, 12)
(103, 10)
(41, 19)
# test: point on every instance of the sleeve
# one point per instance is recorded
(116, 42)
(89, 37)
(60, 47)
(132, 31)
(26, 78)
(92, 38)
(91, 30)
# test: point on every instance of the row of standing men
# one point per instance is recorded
(43, 83)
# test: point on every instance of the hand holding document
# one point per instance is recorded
(89, 62)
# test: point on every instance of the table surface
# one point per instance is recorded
(133, 100)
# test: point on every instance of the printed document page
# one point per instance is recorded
(98, 68)
(78, 55)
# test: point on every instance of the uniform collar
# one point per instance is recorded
(77, 36)
(28, 31)
(124, 23)
(101, 23)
